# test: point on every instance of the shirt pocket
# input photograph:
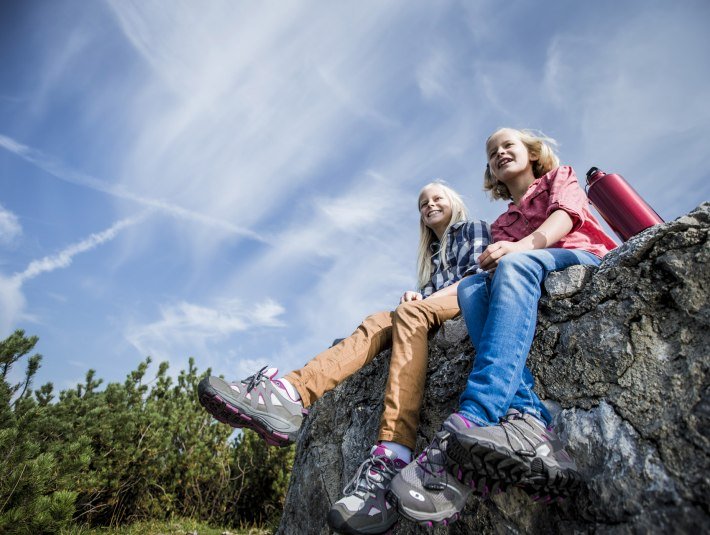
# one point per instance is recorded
(542, 188)
(505, 226)
(535, 208)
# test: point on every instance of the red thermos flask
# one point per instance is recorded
(620, 206)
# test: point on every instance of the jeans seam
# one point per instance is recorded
(474, 418)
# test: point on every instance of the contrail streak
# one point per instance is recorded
(64, 258)
(60, 171)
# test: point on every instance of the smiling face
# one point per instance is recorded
(435, 209)
(508, 158)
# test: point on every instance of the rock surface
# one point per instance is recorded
(620, 357)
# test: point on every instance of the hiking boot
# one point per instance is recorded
(520, 450)
(258, 402)
(471, 472)
(365, 507)
(425, 491)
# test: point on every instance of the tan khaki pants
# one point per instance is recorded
(407, 329)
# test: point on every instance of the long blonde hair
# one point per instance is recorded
(427, 236)
(539, 146)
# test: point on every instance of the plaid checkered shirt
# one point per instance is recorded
(467, 240)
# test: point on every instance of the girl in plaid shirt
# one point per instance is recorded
(448, 246)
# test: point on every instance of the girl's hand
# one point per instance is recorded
(410, 296)
(495, 251)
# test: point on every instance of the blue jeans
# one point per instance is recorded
(500, 314)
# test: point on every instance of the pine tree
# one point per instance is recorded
(137, 450)
(33, 495)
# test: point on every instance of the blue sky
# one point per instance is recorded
(237, 181)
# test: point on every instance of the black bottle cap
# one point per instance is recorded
(592, 171)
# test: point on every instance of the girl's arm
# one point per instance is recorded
(449, 290)
(553, 229)
(416, 296)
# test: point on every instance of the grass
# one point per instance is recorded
(170, 527)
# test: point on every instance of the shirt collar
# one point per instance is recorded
(434, 246)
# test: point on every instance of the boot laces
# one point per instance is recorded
(255, 379)
(511, 428)
(432, 463)
(366, 477)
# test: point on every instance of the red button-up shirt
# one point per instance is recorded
(556, 190)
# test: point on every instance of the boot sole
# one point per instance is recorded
(489, 471)
(428, 520)
(484, 468)
(547, 484)
(337, 523)
(217, 405)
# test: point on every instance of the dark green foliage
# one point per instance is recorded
(136, 450)
(261, 477)
(38, 475)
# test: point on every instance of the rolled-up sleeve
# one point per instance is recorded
(567, 195)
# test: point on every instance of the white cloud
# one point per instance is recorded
(641, 103)
(362, 246)
(65, 257)
(10, 228)
(434, 74)
(351, 101)
(12, 300)
(12, 304)
(195, 326)
(258, 116)
(338, 227)
(266, 314)
(57, 169)
(259, 100)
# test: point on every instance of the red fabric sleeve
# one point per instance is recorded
(567, 195)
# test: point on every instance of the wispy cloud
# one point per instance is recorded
(57, 169)
(288, 144)
(64, 258)
(362, 249)
(433, 75)
(12, 304)
(197, 326)
(630, 119)
(10, 227)
(259, 107)
(12, 300)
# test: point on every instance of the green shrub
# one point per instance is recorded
(136, 450)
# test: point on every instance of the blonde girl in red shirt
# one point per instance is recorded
(501, 434)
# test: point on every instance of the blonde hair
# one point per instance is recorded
(540, 147)
(427, 236)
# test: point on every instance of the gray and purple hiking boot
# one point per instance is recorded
(365, 507)
(258, 402)
(425, 491)
(520, 450)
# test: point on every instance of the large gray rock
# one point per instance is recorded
(620, 357)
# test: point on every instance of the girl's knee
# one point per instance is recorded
(520, 268)
(469, 285)
(411, 310)
(378, 319)
(472, 280)
(407, 308)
